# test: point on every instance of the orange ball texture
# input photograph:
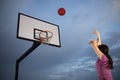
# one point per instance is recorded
(61, 11)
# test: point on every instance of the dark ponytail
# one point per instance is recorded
(105, 50)
(110, 62)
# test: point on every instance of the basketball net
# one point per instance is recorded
(45, 36)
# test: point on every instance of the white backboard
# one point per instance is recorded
(27, 26)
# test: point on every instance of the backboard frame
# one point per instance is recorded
(18, 24)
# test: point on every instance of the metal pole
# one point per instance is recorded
(35, 45)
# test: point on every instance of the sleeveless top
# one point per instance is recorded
(103, 72)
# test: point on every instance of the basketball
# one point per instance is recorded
(61, 11)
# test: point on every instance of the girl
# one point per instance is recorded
(104, 63)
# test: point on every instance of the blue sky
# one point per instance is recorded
(75, 60)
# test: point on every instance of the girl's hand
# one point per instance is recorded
(92, 42)
(96, 33)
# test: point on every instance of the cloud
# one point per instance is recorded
(116, 45)
(116, 4)
(73, 67)
(112, 38)
(116, 61)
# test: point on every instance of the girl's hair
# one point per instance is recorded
(105, 50)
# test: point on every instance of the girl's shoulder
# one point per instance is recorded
(104, 58)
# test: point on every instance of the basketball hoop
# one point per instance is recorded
(45, 36)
